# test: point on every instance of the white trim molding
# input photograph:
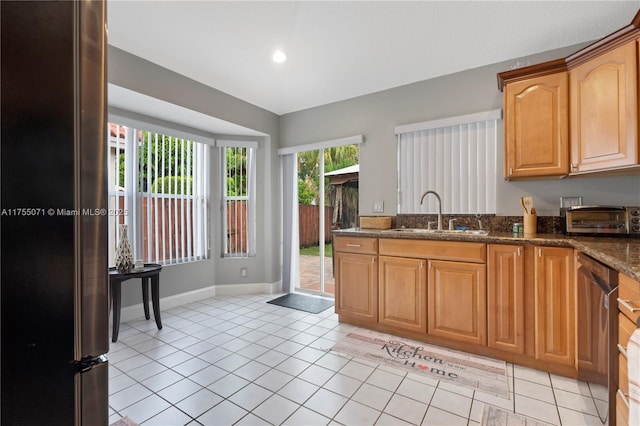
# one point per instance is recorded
(495, 114)
(350, 140)
(136, 312)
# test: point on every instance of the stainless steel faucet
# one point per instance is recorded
(439, 206)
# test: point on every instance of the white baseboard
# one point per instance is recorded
(134, 312)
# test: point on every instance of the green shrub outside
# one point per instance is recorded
(172, 185)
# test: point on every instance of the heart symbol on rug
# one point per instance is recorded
(422, 367)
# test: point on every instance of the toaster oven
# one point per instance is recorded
(607, 220)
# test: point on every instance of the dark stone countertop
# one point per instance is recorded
(620, 253)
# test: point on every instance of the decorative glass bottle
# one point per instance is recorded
(124, 257)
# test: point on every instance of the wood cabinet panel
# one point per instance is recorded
(537, 126)
(628, 317)
(604, 111)
(457, 304)
(434, 249)
(629, 298)
(355, 244)
(505, 297)
(622, 411)
(554, 305)
(623, 374)
(356, 286)
(403, 293)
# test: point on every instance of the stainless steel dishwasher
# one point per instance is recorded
(596, 331)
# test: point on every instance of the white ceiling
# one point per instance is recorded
(339, 49)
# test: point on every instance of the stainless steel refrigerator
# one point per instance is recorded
(53, 231)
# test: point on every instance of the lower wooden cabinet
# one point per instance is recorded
(628, 321)
(505, 297)
(457, 304)
(356, 286)
(402, 293)
(554, 297)
(514, 300)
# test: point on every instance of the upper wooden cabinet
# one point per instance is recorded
(577, 114)
(536, 127)
(604, 111)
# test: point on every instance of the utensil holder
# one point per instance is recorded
(530, 224)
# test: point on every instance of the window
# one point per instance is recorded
(238, 198)
(160, 185)
(456, 157)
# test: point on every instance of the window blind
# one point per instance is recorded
(455, 157)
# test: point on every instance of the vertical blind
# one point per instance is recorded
(238, 197)
(455, 157)
(161, 184)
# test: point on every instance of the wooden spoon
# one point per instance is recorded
(528, 204)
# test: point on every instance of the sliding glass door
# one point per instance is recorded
(325, 176)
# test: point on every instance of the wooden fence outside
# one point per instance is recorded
(171, 230)
(309, 224)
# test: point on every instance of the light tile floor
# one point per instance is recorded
(240, 361)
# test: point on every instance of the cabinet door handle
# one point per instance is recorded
(519, 251)
(628, 306)
(373, 259)
(353, 245)
(624, 398)
(510, 171)
(622, 350)
(539, 252)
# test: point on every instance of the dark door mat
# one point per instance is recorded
(309, 304)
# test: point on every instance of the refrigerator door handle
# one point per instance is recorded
(88, 363)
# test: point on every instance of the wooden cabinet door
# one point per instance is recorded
(604, 111)
(403, 293)
(505, 297)
(554, 296)
(537, 127)
(457, 301)
(356, 286)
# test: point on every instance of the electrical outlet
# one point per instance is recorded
(378, 206)
(243, 272)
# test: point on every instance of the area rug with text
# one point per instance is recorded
(472, 371)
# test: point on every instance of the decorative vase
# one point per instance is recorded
(124, 257)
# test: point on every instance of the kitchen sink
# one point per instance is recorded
(478, 232)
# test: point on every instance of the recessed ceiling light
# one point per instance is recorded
(279, 57)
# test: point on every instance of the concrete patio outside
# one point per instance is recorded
(310, 274)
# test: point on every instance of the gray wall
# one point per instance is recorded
(375, 116)
(131, 72)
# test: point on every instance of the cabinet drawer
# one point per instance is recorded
(622, 409)
(623, 378)
(432, 249)
(625, 329)
(629, 298)
(356, 245)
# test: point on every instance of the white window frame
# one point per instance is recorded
(249, 219)
(190, 250)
